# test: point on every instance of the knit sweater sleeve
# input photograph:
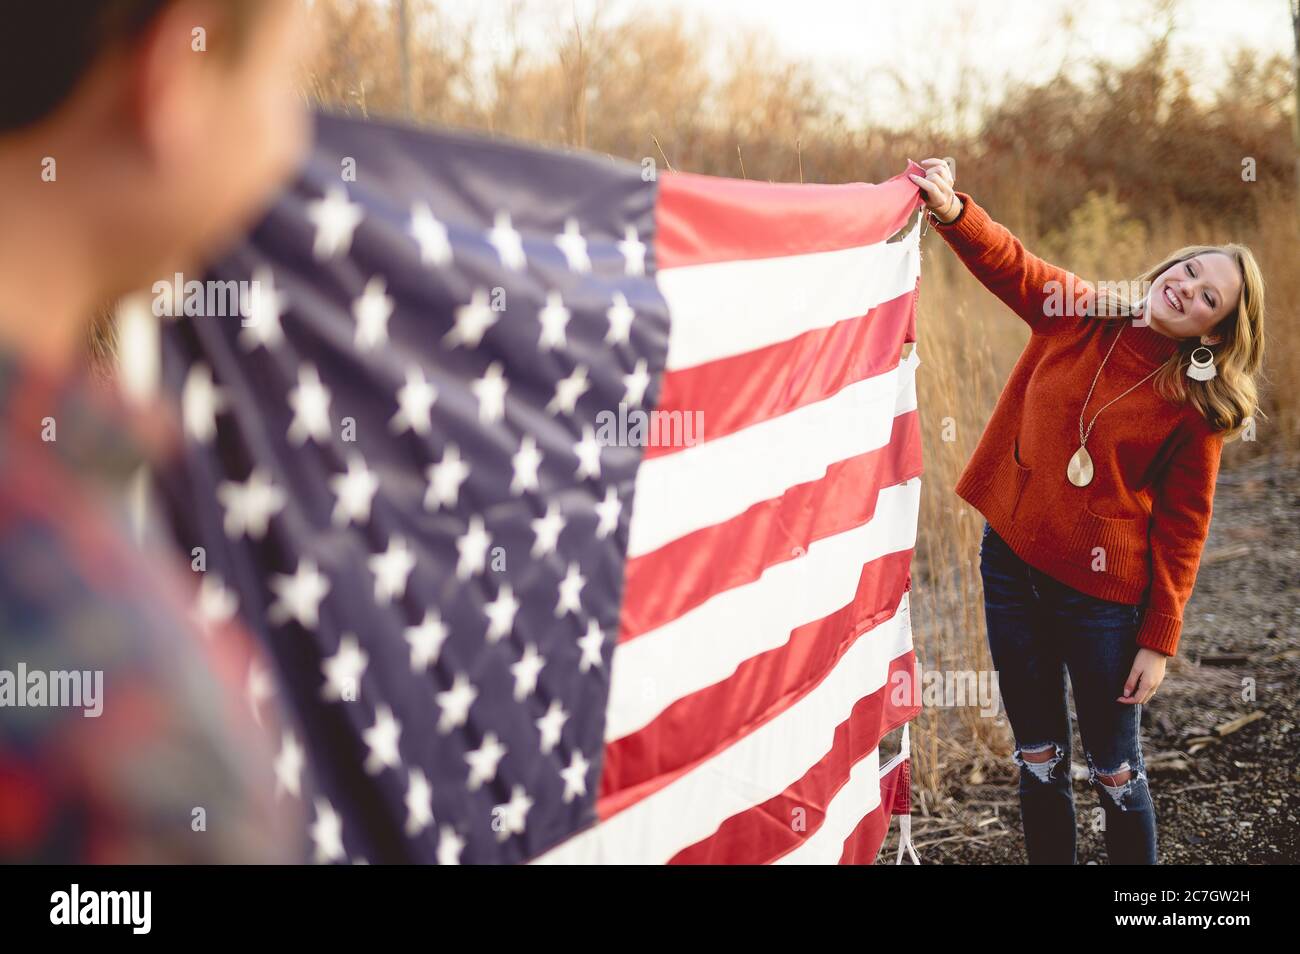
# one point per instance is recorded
(1180, 523)
(1049, 298)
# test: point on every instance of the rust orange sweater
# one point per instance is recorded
(1135, 533)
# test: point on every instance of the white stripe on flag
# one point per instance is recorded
(728, 308)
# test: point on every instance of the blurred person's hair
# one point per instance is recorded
(48, 46)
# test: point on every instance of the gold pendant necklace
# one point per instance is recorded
(1080, 470)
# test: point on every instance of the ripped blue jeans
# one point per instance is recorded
(1038, 629)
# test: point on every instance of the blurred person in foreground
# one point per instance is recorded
(137, 137)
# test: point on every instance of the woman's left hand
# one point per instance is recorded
(1145, 677)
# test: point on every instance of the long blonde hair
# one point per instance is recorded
(1230, 399)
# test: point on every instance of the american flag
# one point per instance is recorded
(573, 501)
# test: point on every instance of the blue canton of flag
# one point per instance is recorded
(393, 467)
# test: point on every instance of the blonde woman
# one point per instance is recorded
(1096, 477)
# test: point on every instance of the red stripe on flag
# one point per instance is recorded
(863, 844)
(667, 582)
(767, 831)
(733, 393)
(697, 727)
(902, 803)
(700, 219)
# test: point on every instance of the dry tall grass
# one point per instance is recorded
(1102, 177)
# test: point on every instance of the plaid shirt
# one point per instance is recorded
(174, 768)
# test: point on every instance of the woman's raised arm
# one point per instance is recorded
(1049, 298)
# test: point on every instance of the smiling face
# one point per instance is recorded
(1189, 298)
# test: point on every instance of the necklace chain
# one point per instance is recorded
(1084, 435)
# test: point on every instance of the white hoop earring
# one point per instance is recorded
(1202, 368)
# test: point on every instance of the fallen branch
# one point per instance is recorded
(1192, 788)
(1226, 553)
(1230, 727)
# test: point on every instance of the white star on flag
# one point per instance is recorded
(551, 725)
(546, 530)
(415, 400)
(508, 243)
(327, 833)
(265, 307)
(526, 461)
(216, 603)
(633, 251)
(392, 568)
(426, 640)
(381, 739)
(588, 453)
(344, 669)
(554, 318)
(526, 671)
(484, 760)
(201, 402)
(310, 401)
(620, 316)
(419, 803)
(372, 311)
(445, 478)
(636, 384)
(508, 819)
(288, 766)
(455, 703)
(335, 218)
(491, 393)
(472, 547)
(354, 492)
(592, 645)
(570, 591)
(435, 249)
(298, 597)
(608, 511)
(250, 506)
(574, 246)
(575, 777)
(501, 614)
(568, 390)
(450, 845)
(473, 319)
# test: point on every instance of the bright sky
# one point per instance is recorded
(855, 41)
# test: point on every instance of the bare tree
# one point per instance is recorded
(1295, 27)
(404, 55)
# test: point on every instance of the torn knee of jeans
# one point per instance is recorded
(1118, 783)
(1040, 760)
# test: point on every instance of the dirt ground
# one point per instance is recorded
(1219, 738)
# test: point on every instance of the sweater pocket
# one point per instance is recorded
(1115, 547)
(1009, 482)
